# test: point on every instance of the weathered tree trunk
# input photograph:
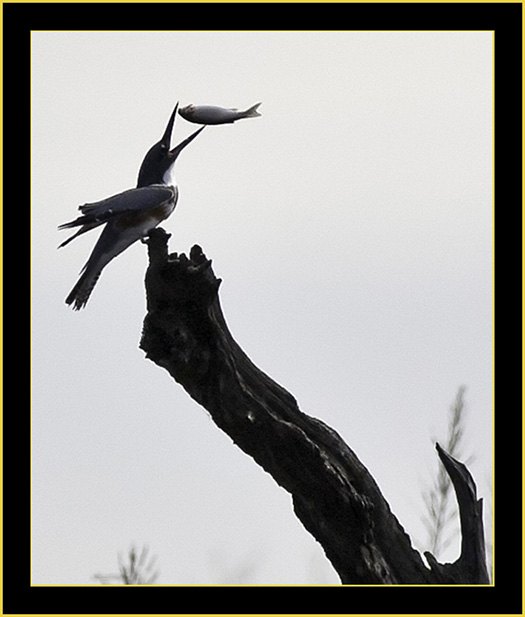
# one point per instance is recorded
(333, 494)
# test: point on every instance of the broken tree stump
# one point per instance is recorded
(333, 494)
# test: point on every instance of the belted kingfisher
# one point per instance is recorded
(129, 216)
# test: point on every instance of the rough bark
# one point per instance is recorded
(471, 566)
(333, 494)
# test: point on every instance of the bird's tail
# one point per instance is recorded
(252, 112)
(80, 293)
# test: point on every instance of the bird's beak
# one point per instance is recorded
(173, 154)
(166, 138)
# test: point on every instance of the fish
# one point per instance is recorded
(208, 114)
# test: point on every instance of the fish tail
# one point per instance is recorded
(252, 112)
(80, 293)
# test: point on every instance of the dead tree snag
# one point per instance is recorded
(333, 494)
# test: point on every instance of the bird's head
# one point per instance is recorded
(160, 158)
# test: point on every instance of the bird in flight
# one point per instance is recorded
(130, 215)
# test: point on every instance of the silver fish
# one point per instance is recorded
(208, 114)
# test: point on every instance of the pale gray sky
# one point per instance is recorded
(352, 227)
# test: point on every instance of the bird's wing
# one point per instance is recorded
(81, 231)
(133, 200)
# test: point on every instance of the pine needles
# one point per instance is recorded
(138, 570)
